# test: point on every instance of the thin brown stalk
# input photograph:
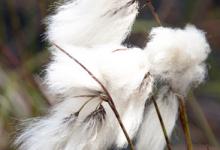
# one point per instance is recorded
(81, 108)
(154, 13)
(110, 100)
(161, 123)
(184, 122)
(78, 96)
(121, 49)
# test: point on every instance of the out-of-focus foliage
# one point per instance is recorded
(23, 56)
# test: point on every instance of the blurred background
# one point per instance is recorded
(23, 56)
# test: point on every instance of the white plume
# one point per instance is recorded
(92, 32)
(89, 23)
(178, 56)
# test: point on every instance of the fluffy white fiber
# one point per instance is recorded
(92, 32)
(89, 23)
(178, 55)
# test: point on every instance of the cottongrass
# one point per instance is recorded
(172, 62)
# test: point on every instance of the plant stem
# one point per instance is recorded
(154, 13)
(184, 122)
(161, 123)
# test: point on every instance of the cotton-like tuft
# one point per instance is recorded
(89, 23)
(178, 55)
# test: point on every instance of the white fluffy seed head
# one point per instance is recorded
(178, 55)
(89, 23)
